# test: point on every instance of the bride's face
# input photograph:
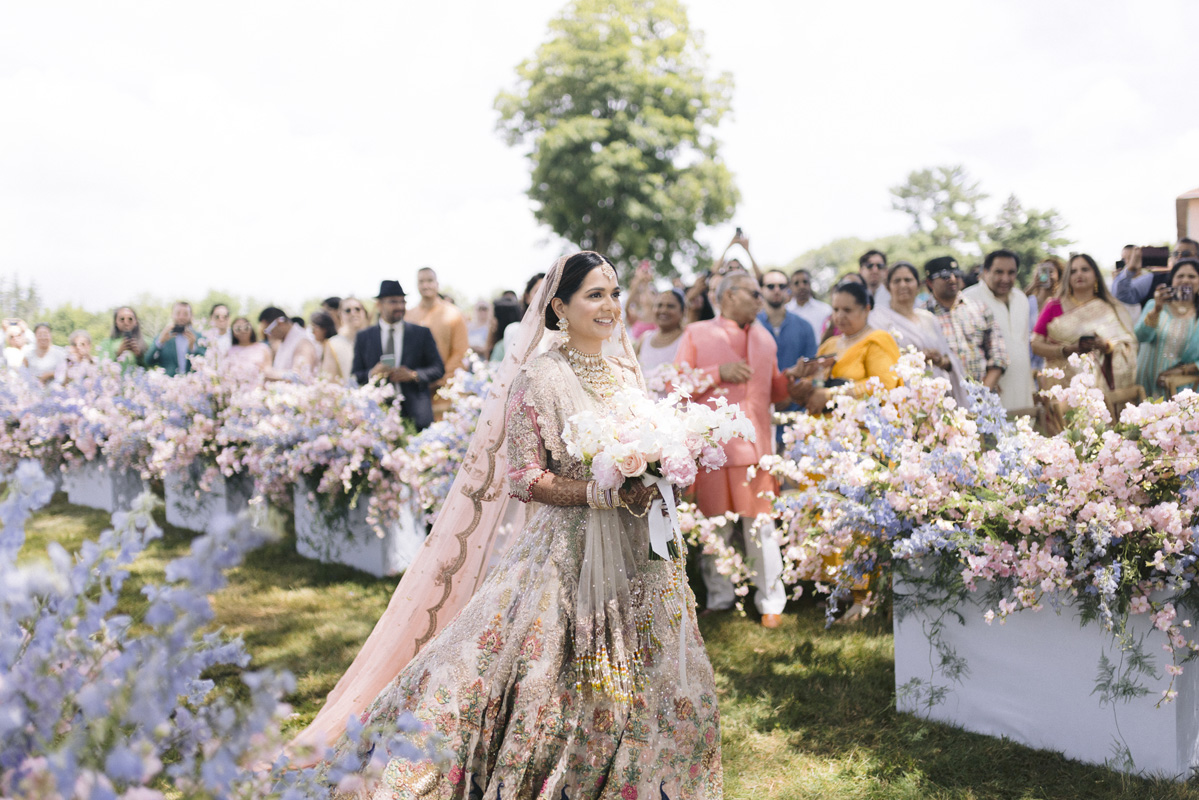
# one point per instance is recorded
(593, 311)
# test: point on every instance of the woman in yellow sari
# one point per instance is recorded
(1084, 318)
(861, 353)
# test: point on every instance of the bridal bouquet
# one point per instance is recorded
(656, 437)
(662, 442)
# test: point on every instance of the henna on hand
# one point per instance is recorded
(554, 490)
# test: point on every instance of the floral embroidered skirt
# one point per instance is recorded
(499, 687)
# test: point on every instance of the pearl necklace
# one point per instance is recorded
(592, 370)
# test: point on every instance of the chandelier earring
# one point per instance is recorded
(564, 326)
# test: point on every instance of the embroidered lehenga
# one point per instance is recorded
(576, 669)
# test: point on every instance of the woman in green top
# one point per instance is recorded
(126, 344)
(1168, 331)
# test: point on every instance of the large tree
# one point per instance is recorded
(1030, 233)
(943, 204)
(618, 114)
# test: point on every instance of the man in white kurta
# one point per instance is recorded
(998, 291)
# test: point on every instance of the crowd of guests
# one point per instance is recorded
(762, 339)
(768, 343)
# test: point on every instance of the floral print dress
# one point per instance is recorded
(500, 685)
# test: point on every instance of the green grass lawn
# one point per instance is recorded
(806, 712)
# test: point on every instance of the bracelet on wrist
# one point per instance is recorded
(602, 499)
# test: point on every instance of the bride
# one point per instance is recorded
(566, 664)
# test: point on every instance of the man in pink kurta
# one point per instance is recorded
(740, 356)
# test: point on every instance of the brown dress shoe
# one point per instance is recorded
(771, 620)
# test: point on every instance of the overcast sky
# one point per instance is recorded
(290, 150)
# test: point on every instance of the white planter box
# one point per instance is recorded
(192, 509)
(95, 485)
(1033, 678)
(347, 539)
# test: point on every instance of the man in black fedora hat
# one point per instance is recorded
(401, 353)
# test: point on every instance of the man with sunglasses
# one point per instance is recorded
(295, 351)
(805, 305)
(969, 327)
(739, 355)
(872, 266)
(792, 334)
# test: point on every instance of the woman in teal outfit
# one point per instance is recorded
(1168, 329)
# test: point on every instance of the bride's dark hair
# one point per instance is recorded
(574, 271)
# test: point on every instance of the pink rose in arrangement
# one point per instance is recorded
(632, 465)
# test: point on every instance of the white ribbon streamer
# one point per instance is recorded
(663, 517)
(663, 529)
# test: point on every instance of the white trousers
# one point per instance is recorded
(763, 556)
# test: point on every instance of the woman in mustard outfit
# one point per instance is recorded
(861, 352)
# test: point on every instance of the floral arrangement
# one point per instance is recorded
(214, 421)
(342, 442)
(969, 505)
(96, 704)
(666, 438)
(683, 380)
(438, 451)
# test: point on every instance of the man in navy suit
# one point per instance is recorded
(401, 353)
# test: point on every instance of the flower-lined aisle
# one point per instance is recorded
(1102, 516)
(342, 443)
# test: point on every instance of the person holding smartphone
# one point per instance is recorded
(1168, 330)
(1137, 283)
(125, 343)
(172, 350)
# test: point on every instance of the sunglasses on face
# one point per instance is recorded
(774, 286)
(876, 266)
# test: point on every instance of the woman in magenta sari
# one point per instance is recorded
(1085, 319)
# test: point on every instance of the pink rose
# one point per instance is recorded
(632, 465)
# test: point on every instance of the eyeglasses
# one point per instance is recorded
(774, 286)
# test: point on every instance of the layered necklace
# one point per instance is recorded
(592, 369)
